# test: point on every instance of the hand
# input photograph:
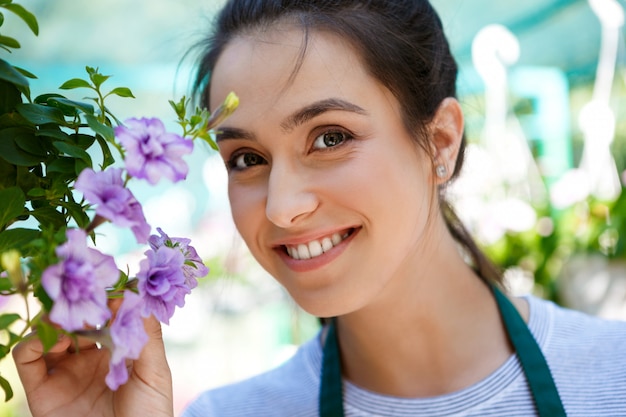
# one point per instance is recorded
(63, 383)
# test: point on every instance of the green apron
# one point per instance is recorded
(542, 387)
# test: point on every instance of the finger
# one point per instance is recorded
(29, 360)
(152, 364)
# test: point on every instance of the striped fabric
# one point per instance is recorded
(587, 357)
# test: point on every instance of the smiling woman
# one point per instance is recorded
(338, 157)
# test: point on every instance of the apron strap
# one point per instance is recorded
(536, 369)
(331, 387)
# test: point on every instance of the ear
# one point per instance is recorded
(446, 130)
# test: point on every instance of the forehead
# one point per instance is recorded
(282, 63)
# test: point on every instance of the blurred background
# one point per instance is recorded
(542, 86)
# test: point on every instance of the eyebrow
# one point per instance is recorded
(296, 119)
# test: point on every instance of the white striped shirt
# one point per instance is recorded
(587, 357)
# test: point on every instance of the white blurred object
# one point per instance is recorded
(596, 119)
(494, 49)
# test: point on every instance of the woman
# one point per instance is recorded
(338, 156)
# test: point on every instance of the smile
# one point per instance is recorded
(316, 248)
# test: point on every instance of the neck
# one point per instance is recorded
(434, 333)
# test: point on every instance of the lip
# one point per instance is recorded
(305, 265)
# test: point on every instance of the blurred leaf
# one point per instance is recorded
(12, 202)
(5, 284)
(9, 42)
(40, 115)
(26, 73)
(106, 152)
(12, 75)
(48, 335)
(8, 319)
(101, 129)
(122, 92)
(6, 387)
(25, 15)
(17, 238)
(98, 78)
(75, 83)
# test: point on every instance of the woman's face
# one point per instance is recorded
(326, 186)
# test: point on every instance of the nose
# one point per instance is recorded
(290, 197)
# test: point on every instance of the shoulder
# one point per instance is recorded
(287, 390)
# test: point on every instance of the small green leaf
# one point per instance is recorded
(9, 42)
(17, 238)
(101, 129)
(122, 92)
(36, 192)
(77, 212)
(82, 141)
(25, 15)
(98, 79)
(8, 319)
(12, 202)
(75, 83)
(26, 73)
(48, 335)
(6, 386)
(9, 73)
(32, 144)
(40, 115)
(62, 165)
(51, 131)
(107, 156)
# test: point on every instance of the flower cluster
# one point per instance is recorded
(48, 179)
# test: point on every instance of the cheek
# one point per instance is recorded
(247, 205)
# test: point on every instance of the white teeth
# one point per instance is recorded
(316, 248)
(327, 244)
(303, 251)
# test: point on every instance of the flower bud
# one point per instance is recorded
(230, 104)
(10, 261)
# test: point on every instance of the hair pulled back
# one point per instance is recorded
(401, 44)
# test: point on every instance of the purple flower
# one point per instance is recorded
(151, 152)
(128, 336)
(113, 201)
(162, 282)
(78, 283)
(193, 267)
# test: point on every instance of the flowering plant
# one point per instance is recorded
(53, 197)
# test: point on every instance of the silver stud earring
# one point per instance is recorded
(441, 171)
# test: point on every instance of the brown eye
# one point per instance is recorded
(246, 160)
(329, 139)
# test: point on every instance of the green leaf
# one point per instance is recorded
(12, 202)
(72, 150)
(17, 238)
(5, 284)
(10, 96)
(25, 15)
(107, 156)
(32, 144)
(98, 78)
(122, 92)
(62, 165)
(49, 216)
(40, 115)
(52, 131)
(77, 212)
(11, 152)
(82, 141)
(26, 73)
(101, 129)
(8, 319)
(6, 386)
(75, 83)
(48, 335)
(9, 73)
(9, 42)
(84, 107)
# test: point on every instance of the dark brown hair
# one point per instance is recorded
(401, 43)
